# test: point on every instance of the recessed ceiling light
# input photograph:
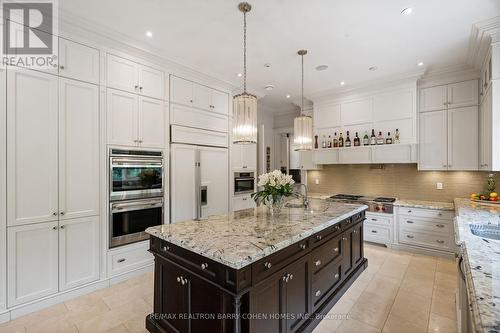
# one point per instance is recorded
(321, 67)
(373, 68)
(149, 34)
(342, 83)
(407, 11)
(239, 75)
(269, 87)
(420, 64)
(267, 65)
(288, 96)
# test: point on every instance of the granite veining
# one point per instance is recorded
(241, 238)
(482, 263)
(424, 204)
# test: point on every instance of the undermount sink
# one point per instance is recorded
(486, 230)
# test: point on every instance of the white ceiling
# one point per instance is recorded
(347, 35)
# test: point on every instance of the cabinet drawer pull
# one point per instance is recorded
(302, 246)
(317, 293)
(440, 214)
(336, 275)
(374, 219)
(440, 241)
(355, 231)
(121, 260)
(410, 236)
(204, 266)
(409, 211)
(165, 248)
(440, 225)
(344, 239)
(317, 263)
(290, 276)
(136, 86)
(267, 265)
(336, 249)
(374, 231)
(319, 237)
(245, 199)
(409, 222)
(182, 280)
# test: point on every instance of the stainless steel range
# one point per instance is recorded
(375, 204)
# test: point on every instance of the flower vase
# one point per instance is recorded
(275, 204)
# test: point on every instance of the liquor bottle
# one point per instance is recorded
(335, 141)
(380, 139)
(396, 137)
(316, 142)
(366, 139)
(373, 140)
(356, 140)
(348, 140)
(341, 140)
(329, 141)
(388, 140)
(323, 143)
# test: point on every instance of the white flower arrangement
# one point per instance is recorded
(275, 185)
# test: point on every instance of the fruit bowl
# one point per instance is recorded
(486, 202)
(486, 198)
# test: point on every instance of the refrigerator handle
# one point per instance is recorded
(197, 181)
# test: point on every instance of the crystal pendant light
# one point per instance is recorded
(245, 104)
(302, 125)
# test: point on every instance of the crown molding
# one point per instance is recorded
(448, 74)
(482, 35)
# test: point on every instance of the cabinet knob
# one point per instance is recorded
(204, 266)
(409, 236)
(290, 276)
(140, 88)
(54, 213)
(355, 231)
(336, 275)
(62, 213)
(136, 86)
(61, 67)
(444, 165)
(336, 249)
(190, 101)
(302, 246)
(344, 239)
(317, 263)
(440, 225)
(54, 228)
(62, 227)
(165, 248)
(319, 237)
(317, 293)
(440, 241)
(267, 265)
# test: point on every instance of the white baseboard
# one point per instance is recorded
(26, 308)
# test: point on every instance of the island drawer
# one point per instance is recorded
(325, 282)
(426, 213)
(323, 255)
(273, 263)
(437, 241)
(429, 225)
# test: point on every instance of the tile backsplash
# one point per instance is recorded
(403, 181)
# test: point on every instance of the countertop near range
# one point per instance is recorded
(482, 263)
(425, 204)
(241, 238)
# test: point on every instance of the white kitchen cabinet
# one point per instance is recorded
(78, 61)
(151, 123)
(127, 75)
(78, 149)
(485, 133)
(196, 118)
(122, 114)
(394, 105)
(220, 102)
(433, 141)
(327, 116)
(32, 140)
(210, 178)
(128, 258)
(244, 157)
(463, 94)
(356, 112)
(78, 252)
(133, 120)
(463, 138)
(182, 134)
(241, 202)
(3, 188)
(32, 262)
(181, 91)
(202, 97)
(326, 156)
(395, 153)
(433, 98)
(358, 155)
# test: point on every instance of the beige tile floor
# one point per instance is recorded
(399, 292)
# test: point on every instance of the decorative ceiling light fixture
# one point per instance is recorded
(302, 125)
(245, 104)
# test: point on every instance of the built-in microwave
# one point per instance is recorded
(135, 174)
(244, 182)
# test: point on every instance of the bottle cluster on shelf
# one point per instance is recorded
(339, 141)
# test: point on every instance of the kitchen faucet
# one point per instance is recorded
(305, 198)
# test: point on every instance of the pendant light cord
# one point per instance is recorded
(302, 101)
(244, 52)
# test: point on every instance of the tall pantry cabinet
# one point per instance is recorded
(52, 178)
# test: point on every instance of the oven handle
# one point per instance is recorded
(136, 162)
(131, 206)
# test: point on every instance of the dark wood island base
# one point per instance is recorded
(287, 291)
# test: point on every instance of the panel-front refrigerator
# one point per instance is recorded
(199, 182)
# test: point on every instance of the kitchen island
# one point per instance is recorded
(252, 272)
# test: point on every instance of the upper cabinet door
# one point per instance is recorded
(463, 138)
(78, 252)
(151, 123)
(433, 141)
(181, 91)
(78, 61)
(220, 102)
(78, 149)
(463, 94)
(433, 98)
(32, 261)
(356, 112)
(32, 175)
(202, 97)
(151, 82)
(249, 156)
(236, 156)
(122, 74)
(327, 116)
(122, 113)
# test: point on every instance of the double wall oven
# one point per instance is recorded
(136, 189)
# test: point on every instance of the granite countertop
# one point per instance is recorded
(482, 263)
(241, 238)
(424, 204)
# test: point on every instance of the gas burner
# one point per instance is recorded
(346, 196)
(383, 199)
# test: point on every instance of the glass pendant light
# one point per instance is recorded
(245, 104)
(302, 125)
